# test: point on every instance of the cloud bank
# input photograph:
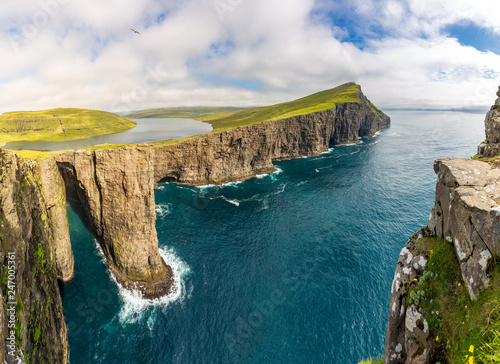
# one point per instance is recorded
(62, 53)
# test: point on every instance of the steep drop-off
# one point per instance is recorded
(115, 185)
(245, 151)
(31, 310)
(116, 188)
(466, 216)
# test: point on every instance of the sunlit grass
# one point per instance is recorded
(60, 124)
(468, 331)
(320, 101)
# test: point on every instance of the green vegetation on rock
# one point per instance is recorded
(180, 112)
(461, 328)
(320, 101)
(372, 361)
(60, 124)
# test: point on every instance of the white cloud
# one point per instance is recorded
(83, 54)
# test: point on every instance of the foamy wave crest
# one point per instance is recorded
(135, 306)
(232, 184)
(327, 152)
(163, 209)
(234, 202)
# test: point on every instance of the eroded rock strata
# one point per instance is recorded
(32, 319)
(116, 188)
(116, 185)
(243, 152)
(467, 215)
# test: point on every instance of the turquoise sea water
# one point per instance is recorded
(291, 267)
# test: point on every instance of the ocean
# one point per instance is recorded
(290, 267)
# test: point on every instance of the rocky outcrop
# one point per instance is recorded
(51, 187)
(466, 214)
(491, 146)
(116, 185)
(116, 188)
(407, 330)
(241, 153)
(34, 326)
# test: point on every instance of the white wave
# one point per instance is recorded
(234, 202)
(163, 209)
(232, 184)
(99, 251)
(327, 152)
(282, 189)
(317, 170)
(205, 187)
(277, 171)
(135, 306)
(351, 144)
(301, 183)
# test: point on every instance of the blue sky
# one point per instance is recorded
(406, 53)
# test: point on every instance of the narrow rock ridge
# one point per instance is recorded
(466, 214)
(26, 230)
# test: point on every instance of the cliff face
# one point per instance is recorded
(116, 185)
(467, 215)
(116, 188)
(34, 327)
(491, 146)
(243, 152)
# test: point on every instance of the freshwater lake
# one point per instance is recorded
(147, 130)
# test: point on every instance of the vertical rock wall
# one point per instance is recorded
(116, 188)
(466, 214)
(245, 151)
(36, 331)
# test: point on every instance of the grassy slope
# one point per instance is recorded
(324, 100)
(179, 112)
(60, 124)
(462, 328)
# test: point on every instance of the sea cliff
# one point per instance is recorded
(465, 221)
(35, 251)
(115, 185)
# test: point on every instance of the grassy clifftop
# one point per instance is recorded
(349, 92)
(60, 124)
(223, 118)
(180, 112)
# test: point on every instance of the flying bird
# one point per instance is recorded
(135, 31)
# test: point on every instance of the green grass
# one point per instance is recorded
(59, 124)
(223, 118)
(179, 112)
(349, 92)
(372, 361)
(462, 328)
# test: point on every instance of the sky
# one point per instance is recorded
(433, 54)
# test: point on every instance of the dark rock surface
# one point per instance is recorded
(26, 232)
